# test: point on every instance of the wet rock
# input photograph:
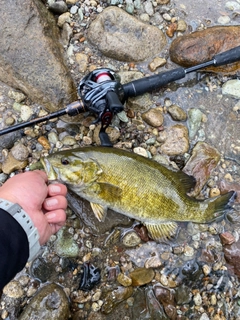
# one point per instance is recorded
(181, 25)
(227, 238)
(26, 112)
(183, 294)
(20, 152)
(203, 160)
(50, 302)
(141, 151)
(201, 46)
(156, 63)
(13, 290)
(194, 121)
(7, 141)
(44, 142)
(43, 270)
(11, 164)
(177, 113)
(124, 280)
(131, 239)
(191, 270)
(231, 88)
(177, 142)
(166, 298)
(232, 256)
(154, 308)
(82, 60)
(153, 117)
(226, 186)
(115, 26)
(58, 7)
(141, 276)
(91, 276)
(16, 95)
(115, 297)
(65, 245)
(153, 262)
(33, 30)
(171, 29)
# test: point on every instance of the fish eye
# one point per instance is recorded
(65, 161)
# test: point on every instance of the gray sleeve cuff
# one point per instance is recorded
(16, 211)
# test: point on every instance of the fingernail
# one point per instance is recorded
(55, 188)
(51, 216)
(51, 202)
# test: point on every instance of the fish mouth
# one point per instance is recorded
(52, 175)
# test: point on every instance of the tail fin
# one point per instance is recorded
(222, 203)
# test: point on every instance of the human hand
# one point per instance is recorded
(45, 204)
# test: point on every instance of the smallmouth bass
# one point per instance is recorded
(133, 185)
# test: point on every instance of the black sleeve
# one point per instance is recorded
(14, 248)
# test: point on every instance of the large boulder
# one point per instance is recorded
(120, 36)
(31, 56)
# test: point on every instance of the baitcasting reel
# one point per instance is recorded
(101, 92)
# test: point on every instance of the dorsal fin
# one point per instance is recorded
(185, 181)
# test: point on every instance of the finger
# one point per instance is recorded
(54, 203)
(56, 217)
(55, 228)
(57, 189)
(42, 174)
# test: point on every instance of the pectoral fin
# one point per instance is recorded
(162, 231)
(109, 191)
(99, 211)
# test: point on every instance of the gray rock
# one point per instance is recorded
(50, 302)
(42, 73)
(20, 152)
(58, 7)
(194, 121)
(131, 39)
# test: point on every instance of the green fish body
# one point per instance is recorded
(134, 186)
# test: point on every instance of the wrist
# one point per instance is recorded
(17, 212)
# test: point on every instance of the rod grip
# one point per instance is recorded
(151, 83)
(226, 57)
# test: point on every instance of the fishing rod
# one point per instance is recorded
(102, 94)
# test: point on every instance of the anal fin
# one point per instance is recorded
(99, 211)
(162, 231)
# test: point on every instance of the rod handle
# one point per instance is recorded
(151, 83)
(226, 57)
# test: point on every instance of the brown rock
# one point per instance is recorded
(11, 164)
(177, 141)
(201, 46)
(141, 276)
(232, 256)
(115, 297)
(227, 238)
(226, 186)
(153, 117)
(31, 56)
(203, 160)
